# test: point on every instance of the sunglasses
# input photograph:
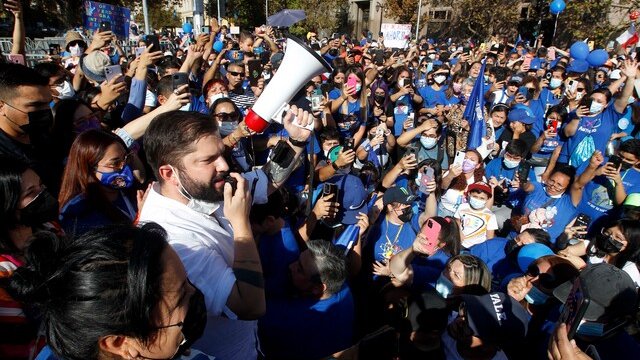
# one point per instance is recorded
(233, 73)
(579, 89)
(226, 116)
(548, 281)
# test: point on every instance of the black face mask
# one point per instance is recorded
(625, 166)
(379, 99)
(407, 214)
(608, 244)
(42, 209)
(39, 126)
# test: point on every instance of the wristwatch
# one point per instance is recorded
(297, 143)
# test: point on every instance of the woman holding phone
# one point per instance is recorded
(351, 109)
(405, 99)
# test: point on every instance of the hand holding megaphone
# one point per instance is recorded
(298, 123)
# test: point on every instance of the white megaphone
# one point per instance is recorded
(298, 66)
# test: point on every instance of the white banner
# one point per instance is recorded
(396, 35)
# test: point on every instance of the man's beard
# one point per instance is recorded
(200, 191)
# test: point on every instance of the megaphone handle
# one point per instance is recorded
(286, 108)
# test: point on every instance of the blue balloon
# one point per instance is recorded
(187, 28)
(557, 6)
(597, 57)
(579, 50)
(217, 46)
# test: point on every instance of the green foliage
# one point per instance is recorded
(481, 19)
(406, 11)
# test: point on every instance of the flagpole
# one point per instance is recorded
(555, 27)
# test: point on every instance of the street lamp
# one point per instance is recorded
(380, 7)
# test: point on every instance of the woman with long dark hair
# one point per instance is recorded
(98, 183)
(117, 292)
(27, 207)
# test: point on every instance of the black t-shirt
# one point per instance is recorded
(527, 137)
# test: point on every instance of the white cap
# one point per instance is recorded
(615, 74)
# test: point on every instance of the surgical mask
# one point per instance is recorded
(439, 79)
(510, 164)
(579, 96)
(227, 127)
(65, 90)
(477, 204)
(555, 83)
(43, 208)
(185, 107)
(468, 166)
(121, 179)
(76, 50)
(210, 62)
(444, 286)
(624, 166)
(595, 108)
(457, 87)
(406, 215)
(486, 78)
(201, 206)
(535, 296)
(631, 100)
(358, 87)
(608, 244)
(432, 56)
(590, 328)
(215, 97)
(428, 142)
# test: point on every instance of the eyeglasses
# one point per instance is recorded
(118, 164)
(554, 185)
(580, 89)
(233, 116)
(233, 73)
(548, 281)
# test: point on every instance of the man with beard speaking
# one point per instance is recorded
(206, 217)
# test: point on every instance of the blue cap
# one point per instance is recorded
(578, 66)
(536, 64)
(530, 253)
(522, 113)
(352, 197)
(437, 63)
(453, 61)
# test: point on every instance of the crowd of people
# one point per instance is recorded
(143, 219)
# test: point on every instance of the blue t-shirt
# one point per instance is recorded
(78, 216)
(432, 97)
(599, 127)
(561, 210)
(348, 118)
(497, 169)
(537, 107)
(426, 270)
(492, 252)
(277, 252)
(401, 109)
(598, 195)
(307, 328)
(334, 93)
(388, 238)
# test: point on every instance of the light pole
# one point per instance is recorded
(418, 23)
(145, 13)
(380, 7)
(266, 11)
(219, 12)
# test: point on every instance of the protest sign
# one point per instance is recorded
(119, 17)
(396, 35)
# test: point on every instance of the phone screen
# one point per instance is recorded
(255, 71)
(574, 308)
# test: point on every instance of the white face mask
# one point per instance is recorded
(439, 79)
(432, 56)
(555, 83)
(76, 50)
(215, 97)
(185, 107)
(210, 62)
(477, 204)
(427, 142)
(595, 108)
(65, 90)
(201, 206)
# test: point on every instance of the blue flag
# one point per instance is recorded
(474, 112)
(349, 236)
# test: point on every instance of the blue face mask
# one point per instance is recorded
(535, 296)
(555, 83)
(227, 127)
(444, 286)
(428, 142)
(590, 328)
(510, 164)
(117, 179)
(477, 204)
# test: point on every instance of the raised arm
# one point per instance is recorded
(18, 46)
(630, 70)
(589, 173)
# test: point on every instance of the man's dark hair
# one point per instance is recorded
(168, 63)
(172, 135)
(332, 267)
(517, 147)
(165, 86)
(631, 146)
(329, 134)
(48, 69)
(14, 75)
